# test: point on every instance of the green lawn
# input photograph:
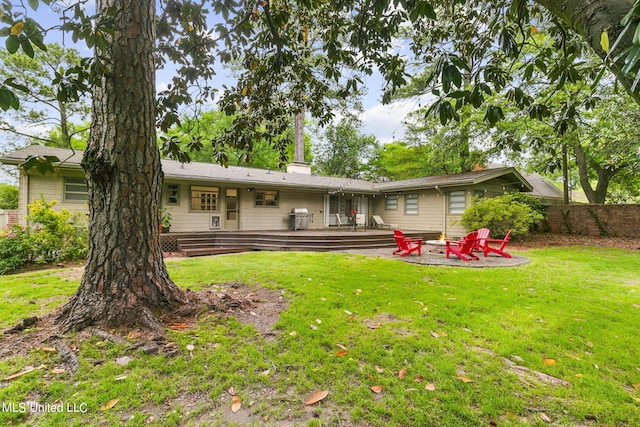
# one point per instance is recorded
(448, 346)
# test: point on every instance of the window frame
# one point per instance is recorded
(168, 195)
(456, 207)
(261, 201)
(388, 206)
(205, 189)
(413, 207)
(84, 195)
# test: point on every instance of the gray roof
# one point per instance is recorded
(196, 171)
(508, 175)
(542, 187)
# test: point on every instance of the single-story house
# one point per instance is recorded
(206, 197)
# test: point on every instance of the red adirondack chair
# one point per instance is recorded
(483, 235)
(486, 248)
(463, 248)
(406, 245)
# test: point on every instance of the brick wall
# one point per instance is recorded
(8, 218)
(595, 220)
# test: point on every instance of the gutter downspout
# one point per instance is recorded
(444, 211)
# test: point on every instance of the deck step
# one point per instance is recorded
(213, 243)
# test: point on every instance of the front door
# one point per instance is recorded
(231, 217)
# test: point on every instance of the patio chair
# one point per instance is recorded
(483, 235)
(379, 223)
(339, 222)
(360, 221)
(463, 248)
(487, 248)
(406, 245)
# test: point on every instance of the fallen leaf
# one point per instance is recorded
(418, 379)
(636, 386)
(430, 387)
(314, 327)
(316, 397)
(358, 291)
(123, 361)
(231, 391)
(48, 349)
(545, 417)
(293, 333)
(341, 353)
(579, 375)
(236, 404)
(550, 362)
(120, 378)
(25, 371)
(402, 373)
(177, 326)
(434, 334)
(465, 379)
(636, 399)
(348, 312)
(110, 404)
(443, 334)
(341, 346)
(318, 321)
(376, 388)
(589, 344)
(379, 369)
(58, 371)
(190, 347)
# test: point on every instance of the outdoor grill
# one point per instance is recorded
(299, 219)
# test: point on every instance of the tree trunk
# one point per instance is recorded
(125, 281)
(298, 126)
(599, 194)
(590, 18)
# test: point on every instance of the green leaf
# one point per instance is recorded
(8, 99)
(34, 4)
(27, 48)
(12, 43)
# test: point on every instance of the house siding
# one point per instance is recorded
(47, 187)
(250, 216)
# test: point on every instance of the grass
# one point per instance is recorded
(570, 313)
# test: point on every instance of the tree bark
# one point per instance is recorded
(125, 281)
(599, 194)
(590, 18)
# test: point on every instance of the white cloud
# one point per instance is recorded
(387, 122)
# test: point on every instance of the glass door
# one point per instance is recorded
(231, 217)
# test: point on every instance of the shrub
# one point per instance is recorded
(14, 251)
(501, 214)
(51, 237)
(56, 236)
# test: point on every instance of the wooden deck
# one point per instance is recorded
(220, 242)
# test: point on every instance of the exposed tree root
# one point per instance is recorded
(68, 356)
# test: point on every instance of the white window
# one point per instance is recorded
(391, 202)
(75, 189)
(411, 204)
(173, 194)
(457, 202)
